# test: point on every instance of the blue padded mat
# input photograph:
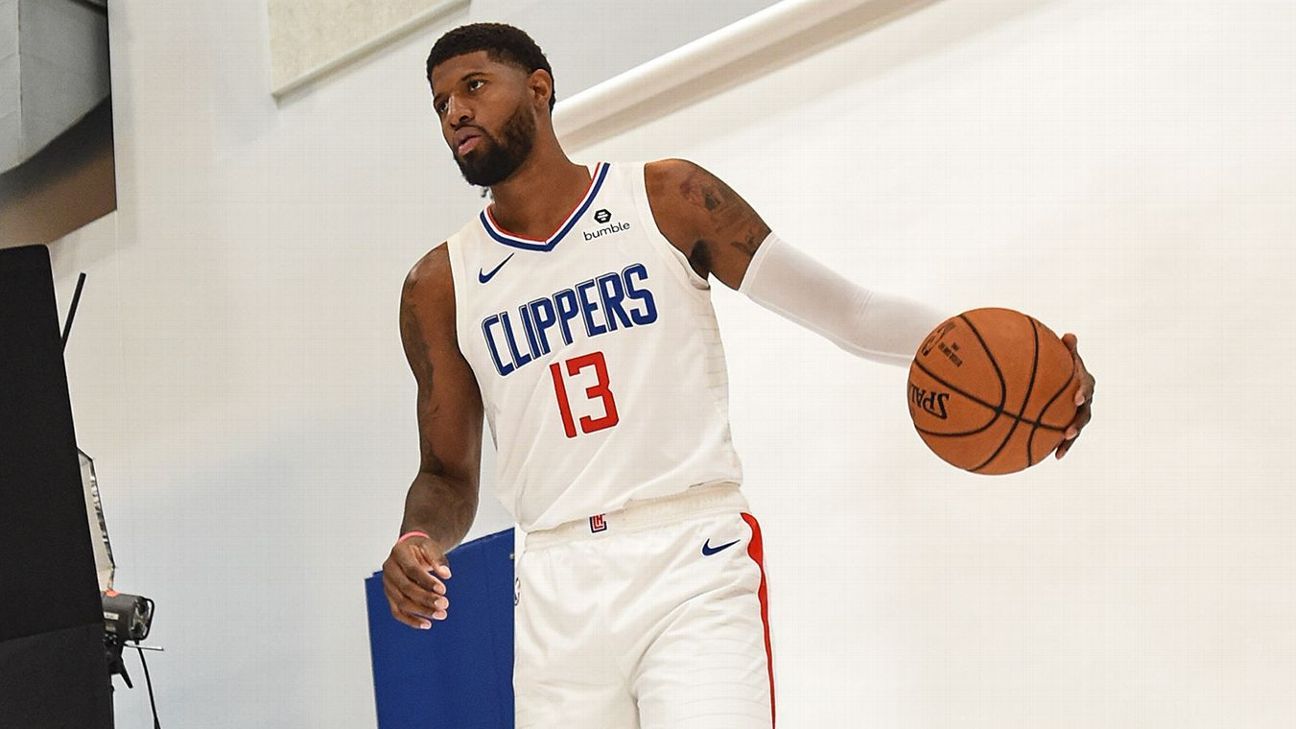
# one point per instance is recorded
(459, 674)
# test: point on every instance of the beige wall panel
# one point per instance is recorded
(311, 37)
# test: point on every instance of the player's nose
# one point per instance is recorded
(457, 111)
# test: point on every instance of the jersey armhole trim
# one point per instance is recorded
(456, 276)
(675, 257)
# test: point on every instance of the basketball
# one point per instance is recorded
(991, 391)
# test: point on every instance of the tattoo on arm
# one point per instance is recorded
(731, 221)
(420, 360)
(750, 243)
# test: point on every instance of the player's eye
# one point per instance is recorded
(475, 84)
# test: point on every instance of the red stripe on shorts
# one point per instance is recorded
(756, 550)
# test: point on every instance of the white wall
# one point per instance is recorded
(235, 366)
(1123, 170)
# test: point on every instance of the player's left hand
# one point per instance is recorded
(1083, 399)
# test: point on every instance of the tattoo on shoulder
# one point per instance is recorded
(730, 218)
(705, 190)
(749, 244)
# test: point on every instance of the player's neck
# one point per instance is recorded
(536, 199)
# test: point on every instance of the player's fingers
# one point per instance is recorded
(1068, 441)
(1084, 393)
(434, 560)
(416, 601)
(435, 609)
(417, 592)
(399, 587)
(1082, 417)
(424, 602)
(1073, 432)
(420, 575)
(1062, 449)
(401, 612)
(429, 589)
(401, 609)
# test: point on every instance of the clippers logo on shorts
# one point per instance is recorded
(614, 301)
(597, 523)
(603, 215)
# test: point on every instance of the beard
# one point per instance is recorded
(494, 162)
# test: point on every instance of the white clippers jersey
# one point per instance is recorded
(598, 357)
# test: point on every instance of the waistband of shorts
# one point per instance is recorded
(696, 501)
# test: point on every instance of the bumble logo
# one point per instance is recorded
(602, 216)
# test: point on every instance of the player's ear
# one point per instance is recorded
(540, 85)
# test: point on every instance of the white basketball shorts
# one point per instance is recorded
(652, 617)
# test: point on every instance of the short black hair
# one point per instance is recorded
(502, 43)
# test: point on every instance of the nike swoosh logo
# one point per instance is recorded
(708, 550)
(483, 277)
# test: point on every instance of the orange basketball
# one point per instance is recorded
(991, 391)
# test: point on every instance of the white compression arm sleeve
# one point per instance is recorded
(869, 324)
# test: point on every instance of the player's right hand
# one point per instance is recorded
(413, 580)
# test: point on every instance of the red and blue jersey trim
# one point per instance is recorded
(513, 240)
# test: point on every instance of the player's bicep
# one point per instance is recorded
(702, 216)
(449, 405)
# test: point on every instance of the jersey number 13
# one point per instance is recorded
(599, 391)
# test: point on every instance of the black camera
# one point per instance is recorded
(127, 617)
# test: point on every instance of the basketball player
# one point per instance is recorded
(574, 315)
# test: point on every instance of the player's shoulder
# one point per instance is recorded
(665, 176)
(678, 195)
(432, 264)
(430, 278)
(676, 181)
(669, 182)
